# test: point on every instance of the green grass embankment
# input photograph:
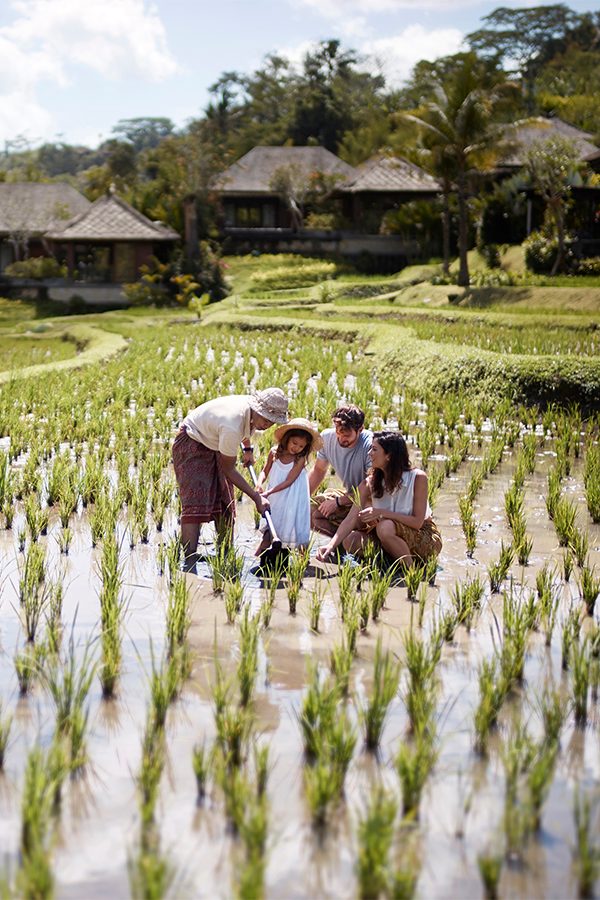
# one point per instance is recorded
(424, 364)
(97, 345)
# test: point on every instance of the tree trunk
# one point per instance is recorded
(463, 232)
(560, 236)
(446, 230)
(190, 217)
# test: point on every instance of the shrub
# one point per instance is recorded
(590, 266)
(37, 267)
(540, 252)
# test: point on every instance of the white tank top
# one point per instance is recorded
(402, 499)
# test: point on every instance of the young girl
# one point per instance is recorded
(287, 484)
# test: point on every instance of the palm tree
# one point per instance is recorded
(462, 134)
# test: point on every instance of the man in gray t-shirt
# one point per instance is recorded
(346, 448)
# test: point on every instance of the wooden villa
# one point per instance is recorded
(109, 241)
(28, 210)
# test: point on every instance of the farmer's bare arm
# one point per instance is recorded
(236, 478)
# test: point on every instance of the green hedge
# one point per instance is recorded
(423, 365)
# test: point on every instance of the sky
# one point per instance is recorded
(70, 69)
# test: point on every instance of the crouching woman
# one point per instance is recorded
(394, 508)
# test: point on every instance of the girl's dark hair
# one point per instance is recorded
(294, 432)
(392, 443)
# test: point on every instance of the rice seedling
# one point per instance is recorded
(466, 599)
(580, 665)
(591, 481)
(414, 575)
(178, 615)
(589, 588)
(379, 589)
(26, 670)
(150, 873)
(565, 517)
(318, 711)
(553, 712)
(227, 563)
(375, 835)
(514, 501)
(253, 831)
(386, 679)
(414, 763)
(173, 553)
(315, 606)
(523, 547)
(261, 768)
(498, 571)
(323, 784)
(65, 539)
(296, 567)
(363, 606)
(36, 517)
(586, 854)
(165, 684)
(234, 597)
(247, 669)
(35, 878)
(404, 878)
(469, 525)
(549, 602)
(151, 769)
(539, 775)
(5, 729)
(492, 693)
(68, 684)
(568, 562)
(234, 728)
(570, 635)
(517, 754)
(352, 625)
(22, 538)
(340, 661)
(579, 546)
(420, 693)
(202, 760)
(346, 587)
(490, 870)
(8, 511)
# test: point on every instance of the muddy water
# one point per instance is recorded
(461, 812)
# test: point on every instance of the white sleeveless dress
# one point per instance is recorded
(402, 499)
(290, 508)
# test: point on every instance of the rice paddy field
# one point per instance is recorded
(331, 732)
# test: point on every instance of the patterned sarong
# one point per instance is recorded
(206, 494)
(424, 542)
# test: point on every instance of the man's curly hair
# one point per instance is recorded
(349, 417)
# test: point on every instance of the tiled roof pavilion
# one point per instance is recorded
(112, 219)
(526, 133)
(38, 207)
(390, 174)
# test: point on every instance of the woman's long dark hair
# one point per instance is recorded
(392, 443)
(294, 432)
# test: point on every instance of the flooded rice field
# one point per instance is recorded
(469, 782)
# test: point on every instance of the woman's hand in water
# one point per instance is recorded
(324, 552)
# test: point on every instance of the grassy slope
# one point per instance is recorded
(362, 307)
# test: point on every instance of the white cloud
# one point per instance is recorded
(49, 39)
(398, 54)
(340, 9)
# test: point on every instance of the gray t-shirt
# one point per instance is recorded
(351, 464)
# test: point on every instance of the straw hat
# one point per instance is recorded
(271, 404)
(303, 424)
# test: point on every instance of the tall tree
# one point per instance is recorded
(516, 38)
(554, 168)
(143, 132)
(461, 131)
